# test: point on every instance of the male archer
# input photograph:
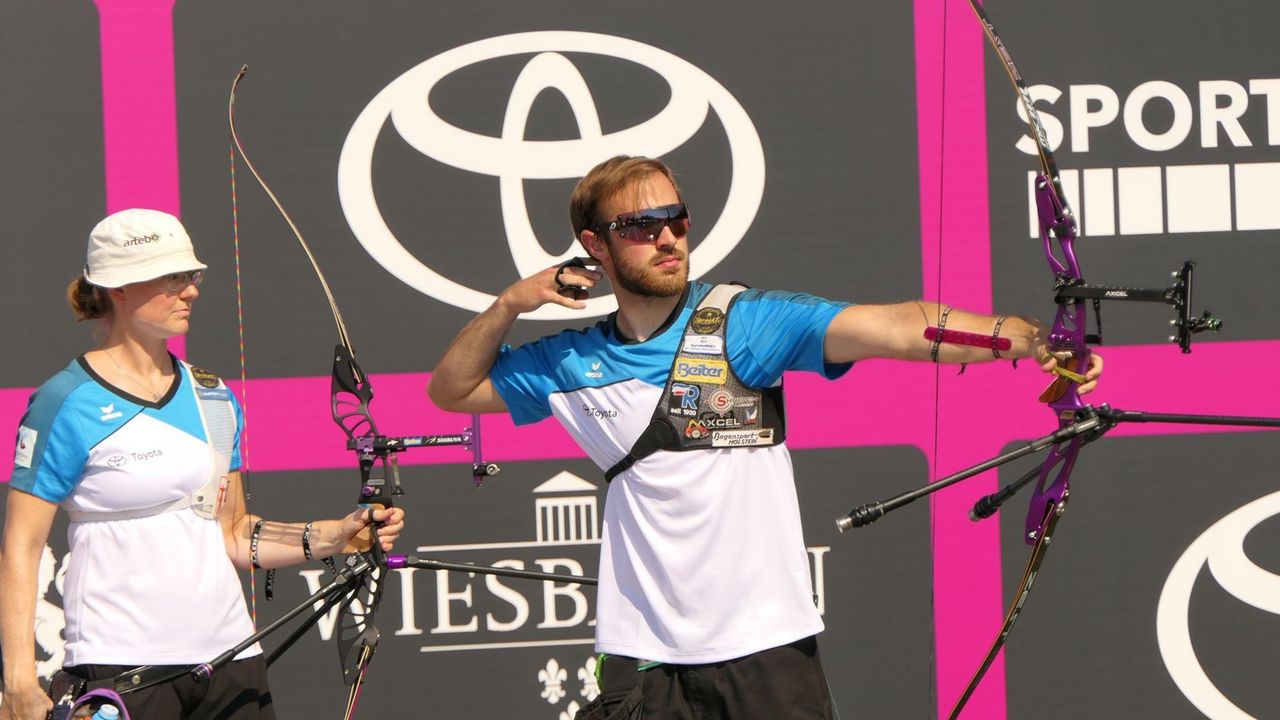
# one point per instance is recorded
(705, 605)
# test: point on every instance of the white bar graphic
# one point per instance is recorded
(1199, 198)
(566, 519)
(1033, 217)
(1099, 213)
(1070, 187)
(469, 547)
(1141, 201)
(1258, 196)
(505, 645)
(1151, 200)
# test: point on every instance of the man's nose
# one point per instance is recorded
(666, 238)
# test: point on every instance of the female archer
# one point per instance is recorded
(143, 451)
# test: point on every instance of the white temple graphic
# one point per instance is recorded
(566, 510)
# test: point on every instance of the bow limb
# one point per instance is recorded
(235, 138)
(351, 394)
(1015, 607)
(1058, 232)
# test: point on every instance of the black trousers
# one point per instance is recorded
(782, 683)
(237, 691)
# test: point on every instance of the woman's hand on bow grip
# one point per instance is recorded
(389, 521)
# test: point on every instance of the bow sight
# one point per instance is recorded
(1068, 289)
(350, 396)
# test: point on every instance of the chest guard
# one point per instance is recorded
(218, 418)
(704, 405)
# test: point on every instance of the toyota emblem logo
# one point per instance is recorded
(513, 159)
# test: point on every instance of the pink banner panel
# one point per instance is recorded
(956, 259)
(140, 148)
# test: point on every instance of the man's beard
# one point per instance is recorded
(646, 280)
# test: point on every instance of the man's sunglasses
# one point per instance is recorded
(646, 225)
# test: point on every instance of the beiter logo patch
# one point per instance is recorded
(714, 372)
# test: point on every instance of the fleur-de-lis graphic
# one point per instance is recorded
(552, 678)
(570, 712)
(587, 676)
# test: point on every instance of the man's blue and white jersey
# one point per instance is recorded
(702, 558)
(157, 589)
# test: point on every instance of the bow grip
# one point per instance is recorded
(373, 490)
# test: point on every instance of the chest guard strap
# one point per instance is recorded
(705, 405)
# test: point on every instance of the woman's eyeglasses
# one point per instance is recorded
(177, 282)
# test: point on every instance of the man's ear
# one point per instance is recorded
(593, 244)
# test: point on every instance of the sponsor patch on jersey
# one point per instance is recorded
(741, 438)
(688, 396)
(594, 373)
(109, 412)
(221, 393)
(703, 345)
(695, 430)
(204, 378)
(26, 448)
(712, 421)
(713, 372)
(707, 321)
(720, 400)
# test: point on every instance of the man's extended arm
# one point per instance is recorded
(897, 331)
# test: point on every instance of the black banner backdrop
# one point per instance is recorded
(1169, 160)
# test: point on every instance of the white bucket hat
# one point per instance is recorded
(137, 245)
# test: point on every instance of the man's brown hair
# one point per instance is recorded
(607, 180)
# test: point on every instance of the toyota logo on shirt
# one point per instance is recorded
(511, 158)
